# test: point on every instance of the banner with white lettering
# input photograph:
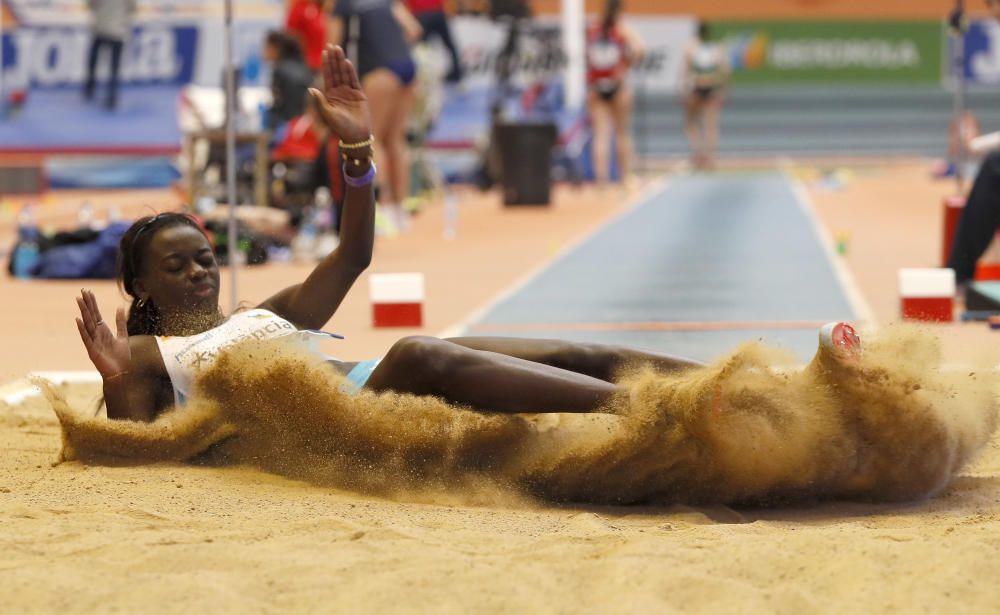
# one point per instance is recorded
(45, 43)
(540, 53)
(790, 52)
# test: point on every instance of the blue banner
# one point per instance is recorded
(982, 53)
(56, 56)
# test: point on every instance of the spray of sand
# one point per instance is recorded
(892, 427)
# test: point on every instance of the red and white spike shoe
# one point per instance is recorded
(841, 341)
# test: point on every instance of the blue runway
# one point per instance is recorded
(704, 264)
(59, 121)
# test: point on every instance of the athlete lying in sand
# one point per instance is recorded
(174, 326)
(889, 425)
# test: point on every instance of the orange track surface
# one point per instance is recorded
(494, 247)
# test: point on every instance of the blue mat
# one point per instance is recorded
(60, 121)
(91, 172)
(708, 249)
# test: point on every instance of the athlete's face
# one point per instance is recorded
(179, 273)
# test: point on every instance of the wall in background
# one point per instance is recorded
(782, 9)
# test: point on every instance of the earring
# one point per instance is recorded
(140, 303)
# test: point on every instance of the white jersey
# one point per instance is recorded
(185, 356)
(706, 58)
(112, 18)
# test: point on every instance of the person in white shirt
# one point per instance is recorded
(706, 70)
(112, 21)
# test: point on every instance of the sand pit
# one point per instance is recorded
(170, 537)
(173, 537)
(890, 426)
(238, 538)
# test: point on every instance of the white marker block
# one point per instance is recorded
(397, 299)
(927, 294)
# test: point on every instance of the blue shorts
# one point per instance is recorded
(361, 372)
(405, 70)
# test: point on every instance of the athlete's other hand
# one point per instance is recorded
(108, 351)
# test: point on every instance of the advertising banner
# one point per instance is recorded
(40, 57)
(982, 53)
(789, 52)
(45, 43)
(540, 54)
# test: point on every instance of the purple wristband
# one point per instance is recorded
(363, 181)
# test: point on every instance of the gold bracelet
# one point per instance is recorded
(118, 375)
(366, 143)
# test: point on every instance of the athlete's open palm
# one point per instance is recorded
(342, 103)
(108, 352)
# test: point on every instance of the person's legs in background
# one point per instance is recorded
(111, 102)
(979, 221)
(600, 124)
(692, 128)
(505, 64)
(436, 23)
(398, 152)
(390, 103)
(621, 112)
(95, 48)
(713, 108)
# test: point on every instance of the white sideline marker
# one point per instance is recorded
(397, 299)
(27, 391)
(927, 294)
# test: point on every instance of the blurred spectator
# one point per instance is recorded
(979, 222)
(434, 21)
(706, 71)
(112, 21)
(300, 141)
(513, 12)
(302, 152)
(307, 22)
(980, 219)
(290, 79)
(385, 29)
(612, 48)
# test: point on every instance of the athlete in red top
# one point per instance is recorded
(307, 21)
(607, 59)
(420, 6)
(612, 48)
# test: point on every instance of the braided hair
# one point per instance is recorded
(144, 317)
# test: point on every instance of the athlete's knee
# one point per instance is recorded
(580, 358)
(421, 360)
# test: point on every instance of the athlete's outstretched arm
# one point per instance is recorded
(344, 109)
(125, 363)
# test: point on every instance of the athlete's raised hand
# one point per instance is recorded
(342, 104)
